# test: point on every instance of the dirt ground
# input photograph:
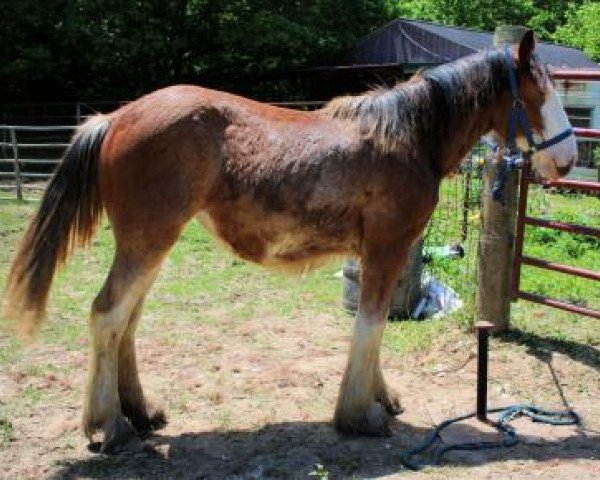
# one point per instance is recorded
(253, 399)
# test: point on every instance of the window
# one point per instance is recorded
(580, 117)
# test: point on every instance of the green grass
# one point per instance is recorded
(535, 322)
(7, 431)
(409, 336)
(199, 276)
(201, 281)
(575, 335)
(562, 247)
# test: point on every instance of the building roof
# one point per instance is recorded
(405, 41)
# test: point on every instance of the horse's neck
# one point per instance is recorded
(459, 137)
(464, 113)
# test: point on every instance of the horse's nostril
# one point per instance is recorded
(564, 170)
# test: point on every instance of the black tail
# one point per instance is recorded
(67, 217)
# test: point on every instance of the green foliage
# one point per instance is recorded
(320, 472)
(7, 431)
(548, 15)
(582, 29)
(573, 245)
(543, 243)
(479, 14)
(113, 49)
(561, 247)
(543, 16)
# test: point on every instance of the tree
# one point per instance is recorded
(543, 16)
(115, 49)
(582, 29)
(478, 14)
(110, 49)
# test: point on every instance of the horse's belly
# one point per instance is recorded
(277, 242)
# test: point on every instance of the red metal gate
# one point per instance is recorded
(523, 219)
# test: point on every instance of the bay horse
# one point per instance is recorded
(281, 188)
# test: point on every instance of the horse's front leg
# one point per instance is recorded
(384, 394)
(365, 404)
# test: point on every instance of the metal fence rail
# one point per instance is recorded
(48, 153)
(523, 220)
(27, 164)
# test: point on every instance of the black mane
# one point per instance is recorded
(428, 105)
(458, 88)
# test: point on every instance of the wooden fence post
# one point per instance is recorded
(15, 149)
(496, 242)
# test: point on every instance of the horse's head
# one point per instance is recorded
(539, 122)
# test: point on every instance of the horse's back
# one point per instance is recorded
(171, 153)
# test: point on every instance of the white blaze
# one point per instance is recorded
(563, 154)
(555, 122)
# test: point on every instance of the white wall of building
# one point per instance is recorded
(582, 94)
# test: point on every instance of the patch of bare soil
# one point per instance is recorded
(254, 399)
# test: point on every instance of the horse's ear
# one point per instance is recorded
(526, 47)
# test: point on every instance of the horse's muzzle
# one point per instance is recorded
(562, 171)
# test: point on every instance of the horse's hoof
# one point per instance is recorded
(147, 419)
(117, 433)
(391, 402)
(378, 421)
(156, 419)
(90, 425)
(374, 422)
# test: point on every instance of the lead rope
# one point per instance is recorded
(509, 437)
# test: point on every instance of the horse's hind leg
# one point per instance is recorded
(133, 402)
(130, 277)
(365, 404)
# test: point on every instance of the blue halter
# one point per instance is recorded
(518, 115)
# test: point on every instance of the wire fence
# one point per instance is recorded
(451, 238)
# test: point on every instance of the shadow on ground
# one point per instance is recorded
(290, 450)
(542, 347)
